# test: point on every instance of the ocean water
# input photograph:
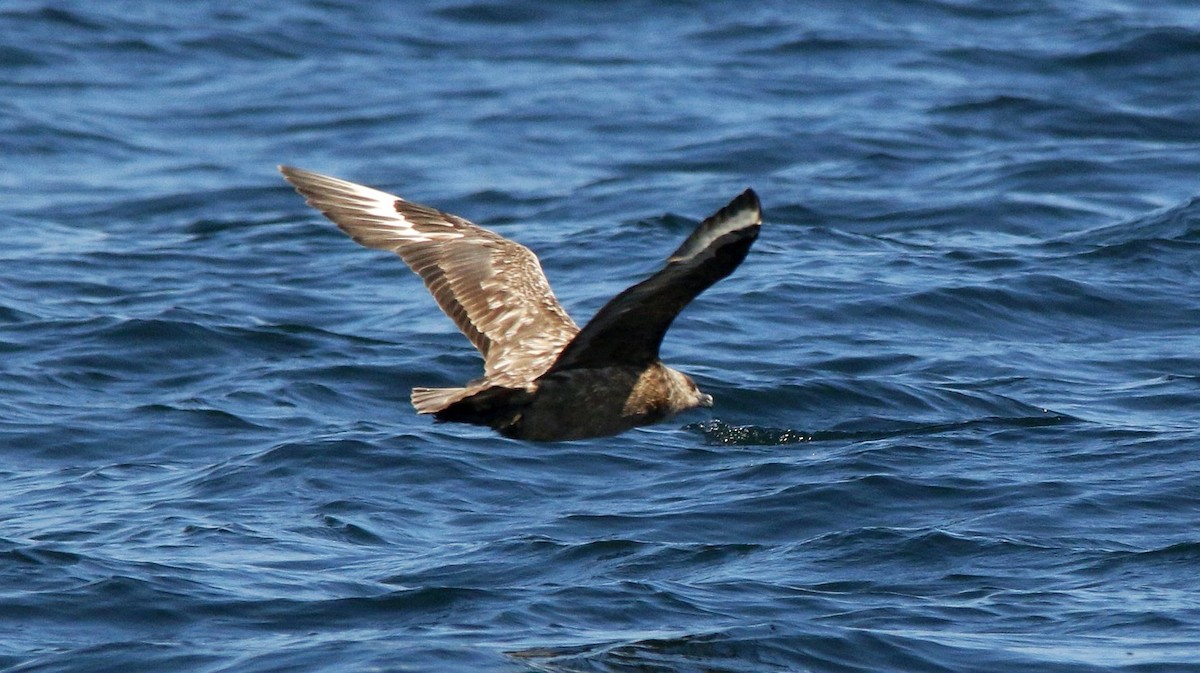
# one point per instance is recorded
(957, 379)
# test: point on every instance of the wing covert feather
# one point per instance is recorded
(491, 287)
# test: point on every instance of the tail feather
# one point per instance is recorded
(495, 406)
(433, 400)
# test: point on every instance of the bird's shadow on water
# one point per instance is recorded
(719, 433)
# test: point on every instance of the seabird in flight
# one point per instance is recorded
(544, 379)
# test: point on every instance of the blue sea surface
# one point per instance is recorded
(957, 380)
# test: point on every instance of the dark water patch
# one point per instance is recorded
(243, 47)
(59, 17)
(121, 601)
(46, 137)
(928, 550)
(1162, 258)
(723, 155)
(152, 357)
(1070, 308)
(41, 556)
(261, 228)
(351, 532)
(718, 432)
(113, 656)
(135, 211)
(853, 405)
(414, 605)
(11, 315)
(821, 46)
(767, 647)
(295, 457)
(710, 651)
(1141, 51)
(198, 418)
(1172, 559)
(16, 57)
(1180, 223)
(488, 14)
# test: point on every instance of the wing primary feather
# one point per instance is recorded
(743, 211)
(629, 329)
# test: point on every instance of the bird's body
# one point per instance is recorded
(580, 403)
(544, 378)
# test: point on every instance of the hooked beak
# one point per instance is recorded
(706, 400)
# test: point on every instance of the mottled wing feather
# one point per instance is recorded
(492, 288)
(629, 329)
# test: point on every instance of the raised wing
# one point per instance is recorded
(629, 329)
(492, 288)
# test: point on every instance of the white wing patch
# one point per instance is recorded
(375, 212)
(742, 212)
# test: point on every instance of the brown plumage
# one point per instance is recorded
(544, 378)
